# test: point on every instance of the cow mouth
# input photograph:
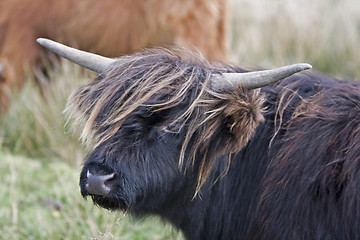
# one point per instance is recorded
(111, 203)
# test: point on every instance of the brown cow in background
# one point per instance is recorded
(110, 28)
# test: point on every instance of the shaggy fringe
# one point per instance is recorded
(176, 81)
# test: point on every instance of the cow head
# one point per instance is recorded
(155, 121)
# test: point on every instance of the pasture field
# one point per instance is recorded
(324, 33)
(41, 200)
(40, 159)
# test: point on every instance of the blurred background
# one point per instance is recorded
(40, 159)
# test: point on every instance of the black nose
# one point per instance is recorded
(96, 183)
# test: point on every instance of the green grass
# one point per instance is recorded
(42, 201)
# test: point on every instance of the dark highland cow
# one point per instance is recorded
(194, 143)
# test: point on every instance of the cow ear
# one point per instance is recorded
(242, 114)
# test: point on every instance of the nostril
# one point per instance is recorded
(96, 183)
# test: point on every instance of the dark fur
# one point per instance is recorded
(295, 179)
(310, 188)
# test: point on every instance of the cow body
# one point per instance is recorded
(111, 28)
(309, 189)
(222, 165)
(297, 178)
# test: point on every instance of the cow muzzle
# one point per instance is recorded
(98, 184)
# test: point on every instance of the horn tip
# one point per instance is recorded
(47, 43)
(42, 41)
(304, 66)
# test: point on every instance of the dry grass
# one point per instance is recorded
(324, 33)
(35, 126)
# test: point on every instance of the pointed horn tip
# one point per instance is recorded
(47, 43)
(40, 40)
(303, 66)
(43, 41)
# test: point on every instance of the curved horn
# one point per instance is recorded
(91, 61)
(256, 79)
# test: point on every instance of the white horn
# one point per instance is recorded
(88, 60)
(256, 79)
